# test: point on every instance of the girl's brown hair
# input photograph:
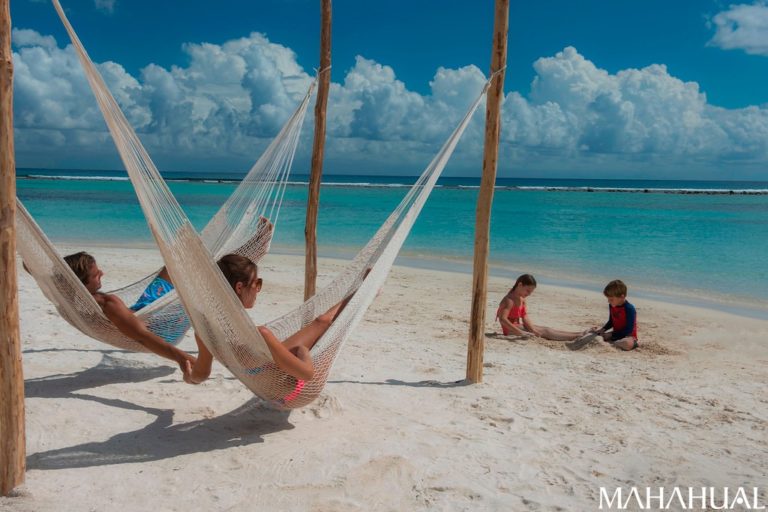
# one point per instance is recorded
(80, 263)
(525, 280)
(237, 269)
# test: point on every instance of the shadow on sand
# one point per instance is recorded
(110, 370)
(159, 440)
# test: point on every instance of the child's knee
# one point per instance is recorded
(627, 344)
(325, 320)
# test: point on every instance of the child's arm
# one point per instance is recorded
(503, 317)
(530, 327)
(295, 362)
(516, 331)
(608, 325)
(129, 324)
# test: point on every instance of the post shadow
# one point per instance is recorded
(414, 384)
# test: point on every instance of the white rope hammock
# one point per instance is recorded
(237, 227)
(164, 317)
(221, 321)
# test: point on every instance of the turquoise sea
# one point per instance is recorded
(696, 242)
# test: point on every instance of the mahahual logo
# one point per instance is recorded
(682, 498)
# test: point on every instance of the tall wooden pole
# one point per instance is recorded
(485, 196)
(12, 449)
(318, 146)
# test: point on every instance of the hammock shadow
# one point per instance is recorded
(110, 370)
(414, 384)
(162, 440)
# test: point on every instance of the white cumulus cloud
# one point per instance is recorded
(374, 105)
(226, 101)
(219, 111)
(26, 37)
(578, 108)
(742, 27)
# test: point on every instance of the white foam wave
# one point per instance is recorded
(75, 178)
(705, 191)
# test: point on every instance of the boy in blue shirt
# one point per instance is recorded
(622, 319)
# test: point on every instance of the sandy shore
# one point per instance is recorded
(396, 428)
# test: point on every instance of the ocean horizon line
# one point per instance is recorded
(604, 185)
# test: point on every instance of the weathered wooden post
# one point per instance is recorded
(318, 146)
(12, 442)
(485, 196)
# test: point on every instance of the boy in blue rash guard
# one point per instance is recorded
(622, 319)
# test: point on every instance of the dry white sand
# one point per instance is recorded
(396, 428)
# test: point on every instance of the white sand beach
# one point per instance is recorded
(396, 427)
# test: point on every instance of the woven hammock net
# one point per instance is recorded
(239, 226)
(216, 313)
(223, 324)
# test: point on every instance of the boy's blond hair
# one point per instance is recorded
(615, 288)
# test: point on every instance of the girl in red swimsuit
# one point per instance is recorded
(513, 317)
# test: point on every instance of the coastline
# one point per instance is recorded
(396, 427)
(736, 307)
(668, 241)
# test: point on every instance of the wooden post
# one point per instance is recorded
(12, 442)
(485, 196)
(318, 146)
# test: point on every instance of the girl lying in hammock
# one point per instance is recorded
(290, 355)
(85, 268)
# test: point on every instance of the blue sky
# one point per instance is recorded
(596, 88)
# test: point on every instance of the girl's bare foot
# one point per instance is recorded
(186, 363)
(192, 377)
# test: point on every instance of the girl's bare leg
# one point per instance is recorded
(308, 336)
(555, 335)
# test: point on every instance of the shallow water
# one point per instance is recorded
(697, 247)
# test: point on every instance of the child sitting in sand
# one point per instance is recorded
(85, 268)
(622, 318)
(290, 355)
(513, 316)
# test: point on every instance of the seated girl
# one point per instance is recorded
(290, 355)
(514, 319)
